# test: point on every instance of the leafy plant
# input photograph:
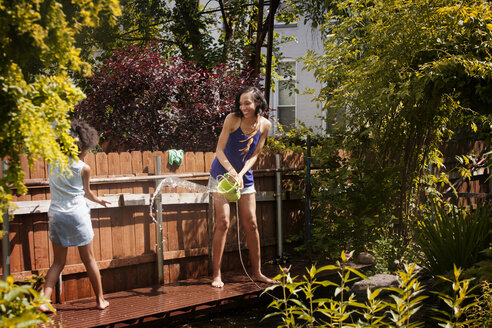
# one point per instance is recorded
(407, 299)
(143, 101)
(449, 236)
(389, 250)
(19, 305)
(37, 55)
(325, 312)
(457, 302)
(480, 313)
(393, 93)
(300, 307)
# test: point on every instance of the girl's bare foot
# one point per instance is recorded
(101, 305)
(45, 308)
(217, 282)
(262, 278)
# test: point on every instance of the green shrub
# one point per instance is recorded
(458, 302)
(453, 236)
(299, 307)
(19, 305)
(389, 250)
(480, 313)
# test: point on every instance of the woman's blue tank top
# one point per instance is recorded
(237, 141)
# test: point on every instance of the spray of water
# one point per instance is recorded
(174, 182)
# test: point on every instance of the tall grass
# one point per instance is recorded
(453, 236)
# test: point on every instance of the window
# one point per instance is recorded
(285, 16)
(286, 96)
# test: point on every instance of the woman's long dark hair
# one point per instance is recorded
(258, 98)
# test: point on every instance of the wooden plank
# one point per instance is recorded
(25, 169)
(134, 220)
(148, 162)
(42, 206)
(141, 219)
(117, 218)
(41, 241)
(15, 242)
(172, 217)
(137, 162)
(38, 172)
(126, 200)
(209, 158)
(193, 227)
(27, 241)
(73, 256)
(70, 290)
(199, 162)
(101, 168)
(84, 289)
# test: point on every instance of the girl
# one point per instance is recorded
(241, 140)
(70, 217)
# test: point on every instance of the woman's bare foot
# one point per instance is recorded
(217, 282)
(45, 308)
(262, 278)
(101, 305)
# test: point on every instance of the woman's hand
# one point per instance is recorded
(235, 177)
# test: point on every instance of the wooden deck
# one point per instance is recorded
(141, 306)
(181, 300)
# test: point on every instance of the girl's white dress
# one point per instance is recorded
(69, 215)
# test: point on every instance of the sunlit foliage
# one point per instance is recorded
(37, 54)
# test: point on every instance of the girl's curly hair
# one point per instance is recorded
(87, 136)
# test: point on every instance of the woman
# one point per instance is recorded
(240, 142)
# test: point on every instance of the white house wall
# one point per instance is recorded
(307, 38)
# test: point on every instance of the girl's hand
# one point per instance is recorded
(104, 202)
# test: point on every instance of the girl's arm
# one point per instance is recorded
(265, 127)
(86, 173)
(229, 124)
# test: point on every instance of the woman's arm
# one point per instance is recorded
(265, 128)
(86, 173)
(230, 124)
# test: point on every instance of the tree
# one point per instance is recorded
(207, 34)
(37, 54)
(144, 101)
(401, 77)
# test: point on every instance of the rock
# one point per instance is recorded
(374, 282)
(365, 258)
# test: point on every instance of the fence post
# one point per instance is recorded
(278, 196)
(158, 230)
(6, 236)
(308, 194)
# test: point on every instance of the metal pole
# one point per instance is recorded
(5, 235)
(278, 195)
(308, 194)
(158, 230)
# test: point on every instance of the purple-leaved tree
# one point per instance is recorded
(142, 101)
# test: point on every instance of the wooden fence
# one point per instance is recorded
(478, 187)
(125, 235)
